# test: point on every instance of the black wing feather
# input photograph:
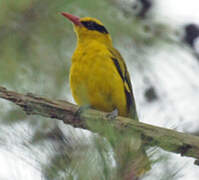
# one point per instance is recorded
(126, 79)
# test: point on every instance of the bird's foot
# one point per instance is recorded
(80, 110)
(113, 114)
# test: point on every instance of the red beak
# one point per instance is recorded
(75, 20)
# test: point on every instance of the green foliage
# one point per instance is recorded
(36, 44)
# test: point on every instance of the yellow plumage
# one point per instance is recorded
(95, 81)
(99, 76)
(94, 78)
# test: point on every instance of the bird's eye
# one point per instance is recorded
(91, 25)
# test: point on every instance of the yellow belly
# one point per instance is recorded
(96, 83)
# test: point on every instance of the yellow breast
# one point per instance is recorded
(95, 81)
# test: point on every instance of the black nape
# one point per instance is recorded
(91, 25)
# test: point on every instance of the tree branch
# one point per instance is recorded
(169, 140)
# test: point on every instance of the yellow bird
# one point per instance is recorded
(98, 74)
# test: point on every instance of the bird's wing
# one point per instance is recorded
(124, 74)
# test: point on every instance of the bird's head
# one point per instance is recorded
(88, 28)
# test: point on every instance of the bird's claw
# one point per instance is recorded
(80, 110)
(113, 114)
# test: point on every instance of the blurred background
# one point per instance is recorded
(159, 41)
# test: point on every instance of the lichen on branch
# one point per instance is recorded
(167, 139)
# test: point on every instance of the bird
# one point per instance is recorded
(99, 77)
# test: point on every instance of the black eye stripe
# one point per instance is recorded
(91, 25)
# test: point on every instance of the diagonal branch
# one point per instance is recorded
(167, 139)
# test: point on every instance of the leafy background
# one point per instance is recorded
(36, 44)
